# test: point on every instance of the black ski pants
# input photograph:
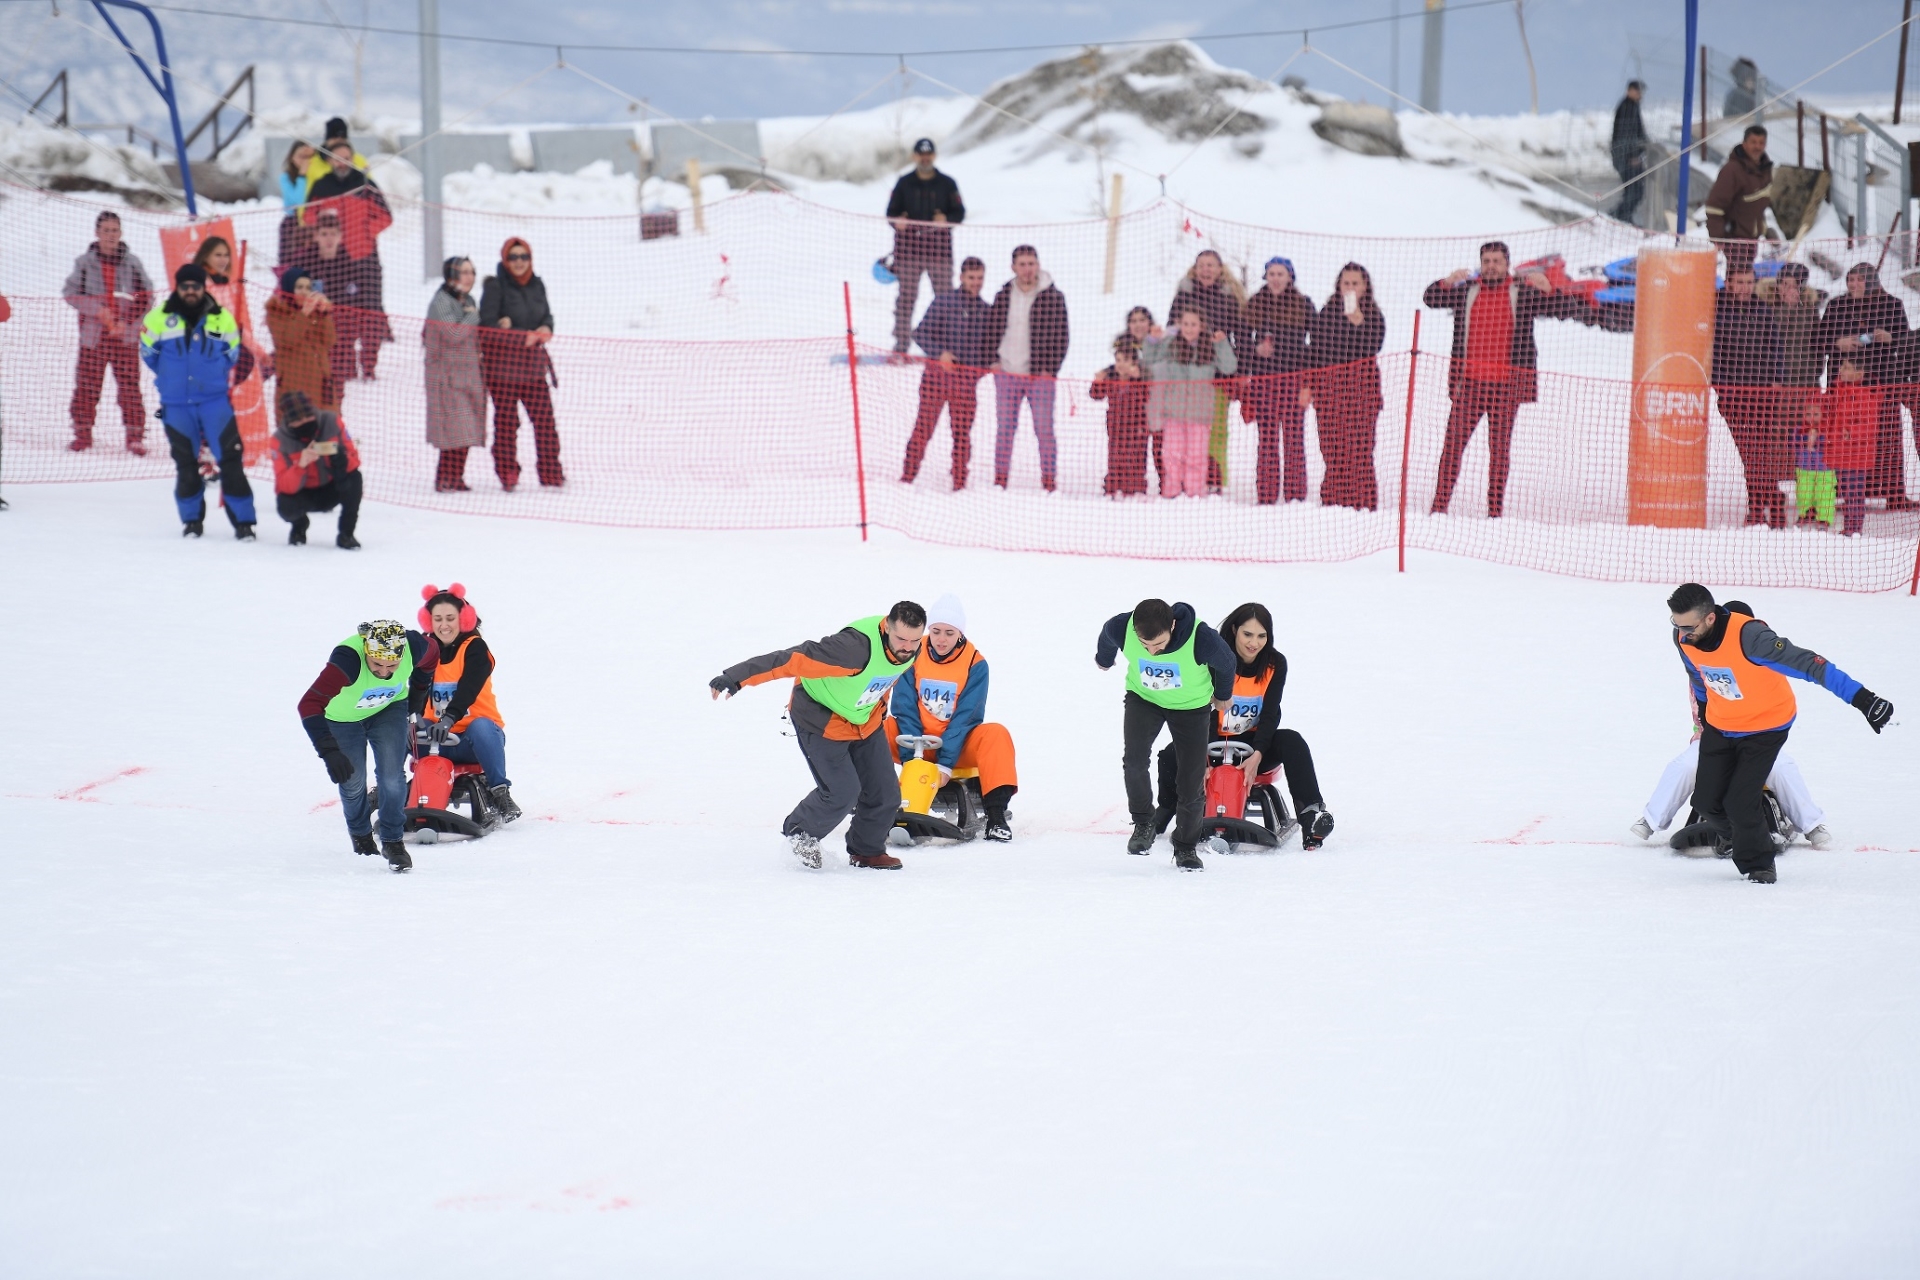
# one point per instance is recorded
(850, 777)
(1726, 791)
(1290, 750)
(343, 493)
(1189, 730)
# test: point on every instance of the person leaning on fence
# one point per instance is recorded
(1028, 336)
(1222, 302)
(1344, 389)
(109, 287)
(1274, 357)
(1868, 326)
(315, 468)
(1184, 367)
(1796, 313)
(1628, 146)
(1748, 367)
(192, 345)
(1495, 364)
(953, 333)
(456, 393)
(1814, 490)
(924, 207)
(516, 324)
(301, 322)
(1738, 202)
(1123, 386)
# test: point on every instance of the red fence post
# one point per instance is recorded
(1406, 438)
(853, 380)
(1913, 587)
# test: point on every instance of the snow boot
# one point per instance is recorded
(347, 542)
(1763, 875)
(1186, 859)
(1820, 837)
(1144, 834)
(193, 529)
(1701, 835)
(997, 828)
(297, 535)
(364, 845)
(882, 861)
(397, 855)
(805, 848)
(1316, 824)
(243, 532)
(503, 802)
(1641, 830)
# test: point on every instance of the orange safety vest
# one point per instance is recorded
(1243, 708)
(446, 678)
(1742, 696)
(940, 683)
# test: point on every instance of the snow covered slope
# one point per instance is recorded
(1478, 1034)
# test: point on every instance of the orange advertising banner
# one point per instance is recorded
(180, 244)
(1672, 380)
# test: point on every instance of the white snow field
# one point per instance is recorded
(1479, 1034)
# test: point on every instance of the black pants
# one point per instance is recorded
(343, 493)
(1726, 791)
(1630, 169)
(190, 487)
(855, 778)
(1293, 754)
(1189, 730)
(918, 252)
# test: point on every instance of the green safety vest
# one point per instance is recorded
(853, 698)
(369, 696)
(1175, 679)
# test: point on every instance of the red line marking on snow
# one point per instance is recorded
(1520, 836)
(325, 804)
(80, 793)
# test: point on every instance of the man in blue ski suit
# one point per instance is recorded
(192, 345)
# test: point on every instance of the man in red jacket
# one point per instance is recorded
(315, 468)
(1495, 366)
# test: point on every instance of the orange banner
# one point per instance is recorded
(180, 244)
(1672, 381)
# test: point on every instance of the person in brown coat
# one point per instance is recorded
(1278, 318)
(1738, 203)
(301, 322)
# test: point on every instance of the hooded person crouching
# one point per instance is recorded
(315, 468)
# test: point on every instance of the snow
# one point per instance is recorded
(1480, 1033)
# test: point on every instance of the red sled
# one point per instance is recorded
(436, 786)
(1225, 823)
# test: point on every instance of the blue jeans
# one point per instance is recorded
(1008, 390)
(386, 733)
(483, 743)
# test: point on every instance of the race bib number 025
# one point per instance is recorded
(1721, 681)
(1159, 676)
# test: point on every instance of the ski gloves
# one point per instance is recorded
(431, 732)
(339, 768)
(720, 684)
(1876, 709)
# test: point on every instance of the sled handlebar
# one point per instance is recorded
(919, 743)
(1229, 752)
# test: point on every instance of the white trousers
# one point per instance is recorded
(1676, 785)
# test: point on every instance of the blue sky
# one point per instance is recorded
(1583, 49)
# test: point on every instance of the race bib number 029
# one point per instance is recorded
(1240, 715)
(1159, 676)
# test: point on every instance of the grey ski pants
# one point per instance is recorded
(849, 778)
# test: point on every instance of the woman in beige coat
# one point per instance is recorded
(456, 395)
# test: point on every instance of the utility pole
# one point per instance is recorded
(1686, 118)
(1430, 55)
(1900, 77)
(431, 232)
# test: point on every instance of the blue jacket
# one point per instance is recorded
(969, 710)
(190, 366)
(956, 322)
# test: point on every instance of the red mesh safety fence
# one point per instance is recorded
(701, 381)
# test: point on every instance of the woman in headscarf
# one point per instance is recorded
(516, 325)
(300, 318)
(456, 394)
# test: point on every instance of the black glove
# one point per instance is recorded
(339, 768)
(1876, 709)
(720, 684)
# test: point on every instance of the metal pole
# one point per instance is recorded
(1686, 118)
(1393, 31)
(1430, 55)
(432, 232)
(1406, 437)
(163, 84)
(1900, 76)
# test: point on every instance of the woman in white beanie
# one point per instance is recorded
(945, 694)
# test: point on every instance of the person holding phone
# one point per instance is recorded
(315, 468)
(300, 318)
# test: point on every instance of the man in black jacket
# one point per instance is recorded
(1629, 148)
(1869, 326)
(924, 205)
(515, 326)
(1748, 367)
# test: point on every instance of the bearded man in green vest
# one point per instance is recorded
(841, 686)
(1179, 671)
(374, 682)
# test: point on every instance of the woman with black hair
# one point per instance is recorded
(1252, 716)
(461, 701)
(1344, 389)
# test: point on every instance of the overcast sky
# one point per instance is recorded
(1583, 50)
